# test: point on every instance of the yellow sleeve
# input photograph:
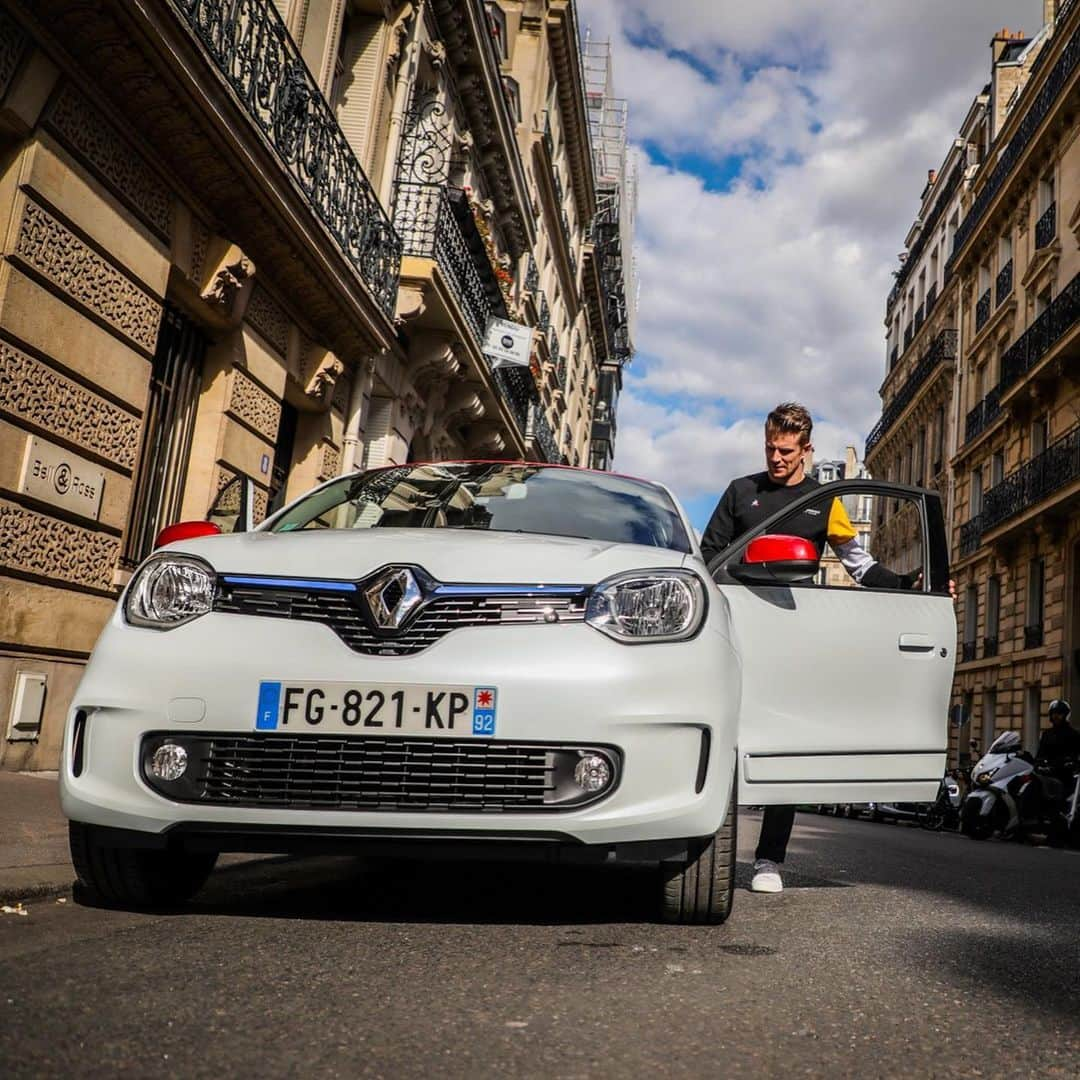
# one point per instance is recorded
(840, 529)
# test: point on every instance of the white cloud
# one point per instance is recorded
(774, 287)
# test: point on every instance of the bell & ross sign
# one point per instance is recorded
(57, 476)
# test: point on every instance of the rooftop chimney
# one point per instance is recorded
(931, 175)
(1003, 38)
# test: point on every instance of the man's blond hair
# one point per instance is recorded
(790, 418)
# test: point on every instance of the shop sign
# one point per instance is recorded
(57, 476)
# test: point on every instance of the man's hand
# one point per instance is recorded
(917, 584)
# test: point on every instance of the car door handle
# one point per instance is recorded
(916, 643)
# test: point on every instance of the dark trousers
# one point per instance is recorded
(775, 831)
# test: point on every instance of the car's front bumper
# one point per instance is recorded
(563, 684)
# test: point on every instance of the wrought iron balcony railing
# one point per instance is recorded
(931, 298)
(971, 535)
(982, 310)
(1028, 349)
(909, 333)
(540, 432)
(1003, 284)
(1033, 636)
(543, 320)
(1046, 227)
(942, 349)
(1032, 120)
(1055, 468)
(518, 388)
(251, 47)
(983, 415)
(920, 317)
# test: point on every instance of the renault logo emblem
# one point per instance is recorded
(392, 597)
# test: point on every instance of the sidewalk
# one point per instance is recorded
(34, 858)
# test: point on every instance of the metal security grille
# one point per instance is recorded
(342, 615)
(377, 773)
(168, 425)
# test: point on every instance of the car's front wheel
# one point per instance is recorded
(133, 876)
(701, 891)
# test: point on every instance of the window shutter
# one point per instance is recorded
(361, 91)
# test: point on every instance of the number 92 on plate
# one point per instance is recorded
(376, 708)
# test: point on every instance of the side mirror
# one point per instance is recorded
(776, 560)
(185, 530)
(233, 509)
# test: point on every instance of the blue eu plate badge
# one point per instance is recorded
(484, 700)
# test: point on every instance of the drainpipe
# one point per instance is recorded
(356, 418)
(400, 105)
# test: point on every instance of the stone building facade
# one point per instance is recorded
(1014, 388)
(264, 240)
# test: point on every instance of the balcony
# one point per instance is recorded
(1055, 468)
(539, 431)
(1046, 227)
(1052, 325)
(920, 318)
(544, 313)
(532, 275)
(982, 310)
(943, 349)
(971, 536)
(253, 51)
(990, 646)
(983, 415)
(909, 333)
(931, 298)
(1032, 120)
(1033, 636)
(1003, 285)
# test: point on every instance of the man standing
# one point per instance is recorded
(747, 502)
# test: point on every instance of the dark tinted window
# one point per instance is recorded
(499, 498)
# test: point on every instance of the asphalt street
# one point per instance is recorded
(892, 952)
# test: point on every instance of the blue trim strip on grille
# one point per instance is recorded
(290, 583)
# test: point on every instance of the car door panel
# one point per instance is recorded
(845, 691)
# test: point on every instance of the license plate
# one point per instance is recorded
(374, 708)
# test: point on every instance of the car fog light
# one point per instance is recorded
(592, 773)
(169, 762)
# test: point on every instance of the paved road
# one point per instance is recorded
(894, 952)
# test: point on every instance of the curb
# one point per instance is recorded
(34, 882)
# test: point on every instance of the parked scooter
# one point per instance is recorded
(1011, 796)
(944, 811)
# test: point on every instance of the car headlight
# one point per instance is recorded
(648, 606)
(168, 591)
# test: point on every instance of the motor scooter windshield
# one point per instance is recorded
(1005, 743)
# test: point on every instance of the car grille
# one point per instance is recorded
(374, 773)
(441, 616)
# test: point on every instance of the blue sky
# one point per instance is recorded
(781, 150)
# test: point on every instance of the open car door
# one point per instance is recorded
(845, 686)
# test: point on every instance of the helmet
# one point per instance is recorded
(1059, 705)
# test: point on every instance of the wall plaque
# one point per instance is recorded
(55, 475)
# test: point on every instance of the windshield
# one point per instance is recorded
(1004, 743)
(497, 498)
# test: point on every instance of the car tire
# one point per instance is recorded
(134, 876)
(701, 891)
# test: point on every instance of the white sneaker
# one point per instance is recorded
(766, 877)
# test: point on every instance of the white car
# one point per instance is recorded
(514, 659)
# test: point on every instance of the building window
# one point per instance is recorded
(1040, 435)
(997, 468)
(976, 503)
(497, 28)
(1033, 628)
(169, 423)
(971, 622)
(1032, 718)
(939, 439)
(993, 616)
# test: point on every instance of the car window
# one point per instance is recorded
(494, 497)
(862, 539)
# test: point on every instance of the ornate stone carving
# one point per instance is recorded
(229, 283)
(268, 317)
(33, 392)
(462, 406)
(329, 461)
(200, 241)
(411, 303)
(258, 514)
(85, 131)
(432, 355)
(49, 548)
(13, 41)
(436, 53)
(250, 403)
(320, 371)
(73, 266)
(342, 390)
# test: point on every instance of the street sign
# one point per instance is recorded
(508, 343)
(57, 476)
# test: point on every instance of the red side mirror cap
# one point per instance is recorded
(185, 530)
(777, 547)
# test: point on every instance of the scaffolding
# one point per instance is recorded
(616, 192)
